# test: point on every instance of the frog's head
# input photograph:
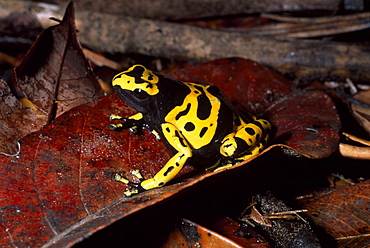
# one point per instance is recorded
(136, 86)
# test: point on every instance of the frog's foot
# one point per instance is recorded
(137, 188)
(252, 153)
(126, 124)
(223, 167)
(134, 123)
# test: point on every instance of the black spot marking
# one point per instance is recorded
(189, 126)
(204, 105)
(247, 153)
(250, 131)
(250, 141)
(150, 76)
(136, 73)
(168, 129)
(168, 171)
(203, 131)
(258, 124)
(183, 113)
(177, 134)
(214, 90)
(177, 164)
(258, 137)
(160, 184)
(227, 145)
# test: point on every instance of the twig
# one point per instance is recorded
(355, 152)
(186, 9)
(304, 58)
(298, 27)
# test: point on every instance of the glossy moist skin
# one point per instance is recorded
(195, 122)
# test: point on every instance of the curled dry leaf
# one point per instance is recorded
(361, 111)
(53, 77)
(356, 152)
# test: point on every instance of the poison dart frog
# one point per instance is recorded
(195, 121)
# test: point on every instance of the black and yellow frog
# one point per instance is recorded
(195, 122)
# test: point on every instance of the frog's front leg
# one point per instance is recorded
(134, 123)
(172, 167)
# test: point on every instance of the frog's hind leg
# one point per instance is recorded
(248, 141)
(172, 167)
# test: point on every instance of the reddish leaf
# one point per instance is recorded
(62, 182)
(305, 121)
(54, 76)
(344, 214)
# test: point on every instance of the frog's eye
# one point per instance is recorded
(140, 94)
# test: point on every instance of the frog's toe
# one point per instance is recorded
(137, 188)
(223, 167)
(119, 178)
(129, 193)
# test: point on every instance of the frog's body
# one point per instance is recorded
(195, 121)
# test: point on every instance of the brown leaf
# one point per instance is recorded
(54, 76)
(360, 112)
(344, 214)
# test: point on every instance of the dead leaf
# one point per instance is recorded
(361, 111)
(54, 76)
(344, 214)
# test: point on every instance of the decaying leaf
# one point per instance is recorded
(361, 111)
(62, 181)
(356, 152)
(344, 214)
(53, 77)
